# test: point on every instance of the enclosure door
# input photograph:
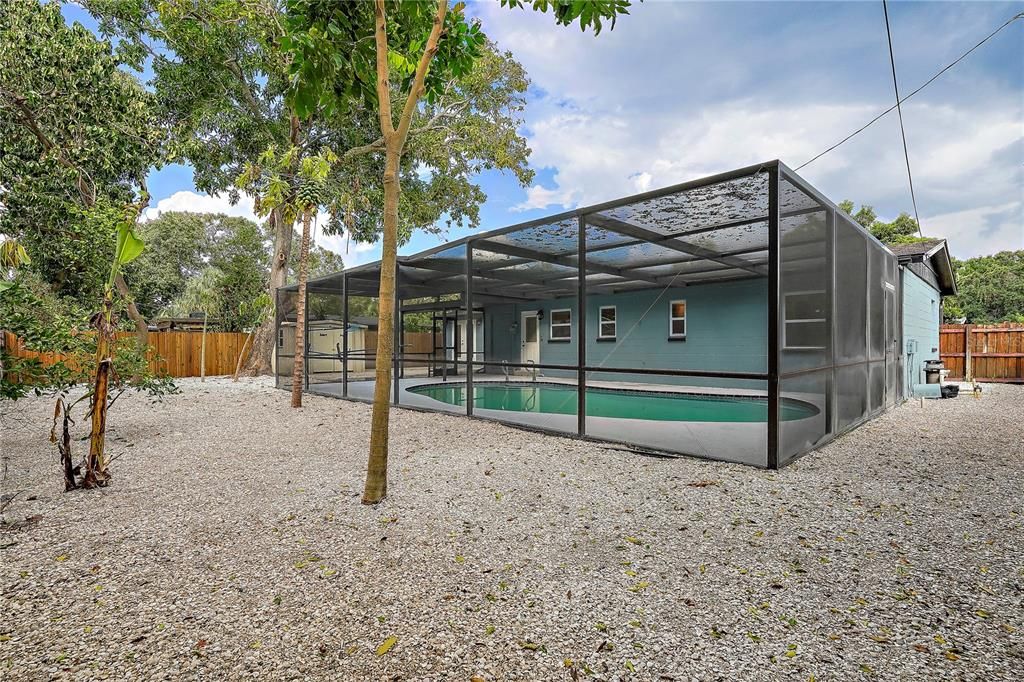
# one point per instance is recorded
(530, 326)
(892, 343)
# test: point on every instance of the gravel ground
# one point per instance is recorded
(232, 545)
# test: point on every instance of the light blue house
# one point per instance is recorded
(926, 275)
(741, 317)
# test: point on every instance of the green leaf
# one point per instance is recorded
(129, 246)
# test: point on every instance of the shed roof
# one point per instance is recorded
(935, 254)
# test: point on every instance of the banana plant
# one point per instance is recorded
(127, 249)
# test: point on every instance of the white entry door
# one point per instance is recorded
(530, 334)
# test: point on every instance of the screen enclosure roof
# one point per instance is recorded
(709, 230)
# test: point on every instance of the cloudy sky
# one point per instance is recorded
(681, 90)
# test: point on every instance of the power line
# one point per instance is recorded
(899, 111)
(919, 89)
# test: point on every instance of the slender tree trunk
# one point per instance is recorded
(394, 139)
(202, 350)
(299, 361)
(377, 467)
(141, 328)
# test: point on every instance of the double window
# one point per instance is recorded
(561, 325)
(606, 323)
(804, 325)
(677, 319)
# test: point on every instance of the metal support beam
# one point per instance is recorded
(646, 234)
(581, 330)
(774, 312)
(344, 336)
(396, 347)
(305, 342)
(559, 259)
(469, 329)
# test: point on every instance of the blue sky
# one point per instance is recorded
(682, 90)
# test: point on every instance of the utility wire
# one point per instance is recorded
(899, 111)
(919, 89)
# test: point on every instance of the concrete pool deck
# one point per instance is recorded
(743, 442)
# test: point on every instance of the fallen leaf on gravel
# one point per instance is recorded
(61, 558)
(951, 656)
(386, 645)
(633, 540)
(702, 484)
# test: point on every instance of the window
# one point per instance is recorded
(606, 322)
(280, 337)
(677, 320)
(805, 325)
(561, 325)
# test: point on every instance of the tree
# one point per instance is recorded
(222, 72)
(75, 132)
(77, 137)
(407, 42)
(179, 245)
(204, 293)
(990, 289)
(902, 230)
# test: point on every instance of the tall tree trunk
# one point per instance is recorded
(299, 359)
(259, 361)
(141, 328)
(202, 350)
(377, 467)
(394, 138)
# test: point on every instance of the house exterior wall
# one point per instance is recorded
(726, 330)
(921, 313)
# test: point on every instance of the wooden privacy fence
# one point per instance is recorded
(418, 347)
(992, 352)
(176, 354)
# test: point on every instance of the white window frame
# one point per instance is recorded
(614, 322)
(786, 321)
(280, 337)
(552, 325)
(672, 318)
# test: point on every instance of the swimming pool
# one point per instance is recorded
(550, 398)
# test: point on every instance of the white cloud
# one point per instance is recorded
(195, 202)
(679, 92)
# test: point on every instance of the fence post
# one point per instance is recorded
(968, 370)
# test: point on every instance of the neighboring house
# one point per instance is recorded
(741, 317)
(926, 275)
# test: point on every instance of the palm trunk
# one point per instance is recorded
(377, 467)
(202, 350)
(299, 361)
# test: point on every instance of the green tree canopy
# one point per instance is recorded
(902, 230)
(990, 289)
(77, 135)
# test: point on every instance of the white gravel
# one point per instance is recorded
(232, 544)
